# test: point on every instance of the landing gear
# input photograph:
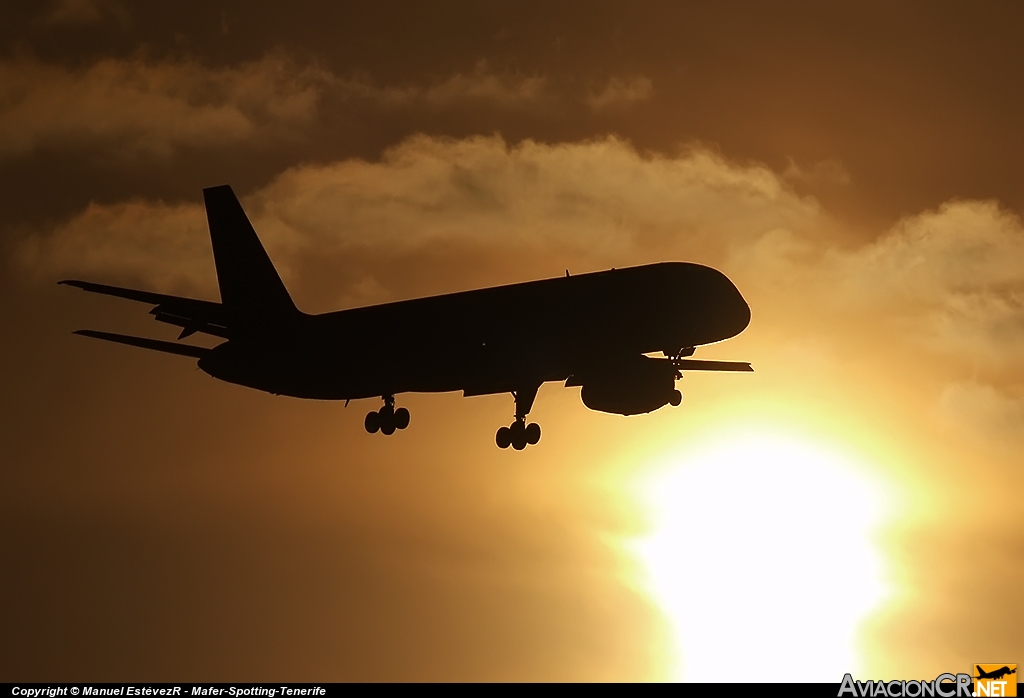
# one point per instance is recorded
(519, 434)
(387, 419)
(675, 398)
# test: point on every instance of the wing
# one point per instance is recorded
(701, 365)
(190, 314)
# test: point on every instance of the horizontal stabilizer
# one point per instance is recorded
(187, 311)
(701, 365)
(145, 343)
(132, 294)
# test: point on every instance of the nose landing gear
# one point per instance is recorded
(519, 434)
(387, 419)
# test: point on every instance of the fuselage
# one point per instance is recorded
(488, 340)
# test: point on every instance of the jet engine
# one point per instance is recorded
(636, 386)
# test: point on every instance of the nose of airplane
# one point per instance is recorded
(730, 313)
(710, 304)
(739, 311)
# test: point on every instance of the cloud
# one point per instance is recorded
(602, 197)
(621, 91)
(934, 304)
(86, 12)
(822, 172)
(154, 244)
(134, 107)
(138, 107)
(479, 87)
(962, 247)
(953, 277)
(516, 210)
(508, 91)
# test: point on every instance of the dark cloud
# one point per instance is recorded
(86, 12)
(136, 108)
(619, 92)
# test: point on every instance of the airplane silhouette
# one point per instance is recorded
(995, 673)
(590, 330)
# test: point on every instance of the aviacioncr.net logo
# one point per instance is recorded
(942, 686)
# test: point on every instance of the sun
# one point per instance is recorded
(762, 557)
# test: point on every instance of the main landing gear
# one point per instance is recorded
(520, 434)
(387, 419)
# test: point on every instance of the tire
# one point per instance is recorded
(387, 427)
(503, 438)
(532, 433)
(518, 433)
(401, 418)
(675, 398)
(372, 422)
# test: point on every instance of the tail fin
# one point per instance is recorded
(251, 291)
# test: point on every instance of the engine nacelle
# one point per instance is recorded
(636, 386)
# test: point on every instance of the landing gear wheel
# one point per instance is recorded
(518, 433)
(675, 398)
(401, 418)
(387, 420)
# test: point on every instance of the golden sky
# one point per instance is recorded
(855, 168)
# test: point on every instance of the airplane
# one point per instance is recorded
(591, 330)
(995, 674)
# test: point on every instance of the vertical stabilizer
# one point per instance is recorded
(250, 289)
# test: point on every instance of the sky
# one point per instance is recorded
(852, 505)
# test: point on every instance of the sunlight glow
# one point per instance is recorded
(762, 558)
